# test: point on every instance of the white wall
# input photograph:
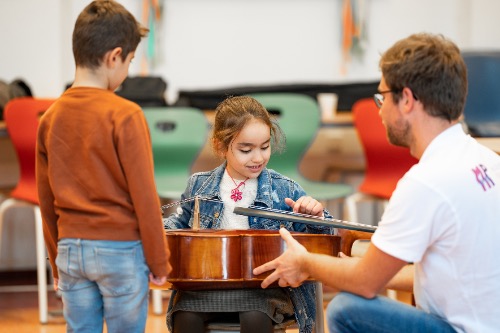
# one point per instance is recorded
(217, 43)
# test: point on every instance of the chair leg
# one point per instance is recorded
(41, 268)
(352, 207)
(352, 202)
(41, 262)
(4, 206)
(320, 325)
(157, 299)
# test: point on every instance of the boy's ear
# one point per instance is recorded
(111, 57)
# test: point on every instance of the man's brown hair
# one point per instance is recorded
(433, 68)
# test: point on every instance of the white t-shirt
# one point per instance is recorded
(230, 220)
(444, 216)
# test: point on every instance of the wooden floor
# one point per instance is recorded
(19, 314)
(19, 308)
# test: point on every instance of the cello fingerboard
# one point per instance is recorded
(282, 215)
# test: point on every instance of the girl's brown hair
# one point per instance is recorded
(232, 114)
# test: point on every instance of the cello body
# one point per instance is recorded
(207, 259)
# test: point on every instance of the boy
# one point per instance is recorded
(101, 213)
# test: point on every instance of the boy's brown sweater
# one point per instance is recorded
(95, 174)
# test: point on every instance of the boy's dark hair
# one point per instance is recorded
(102, 26)
(433, 68)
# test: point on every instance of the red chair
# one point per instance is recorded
(21, 118)
(385, 163)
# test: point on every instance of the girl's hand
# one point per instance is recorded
(306, 205)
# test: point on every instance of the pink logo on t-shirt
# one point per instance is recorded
(482, 177)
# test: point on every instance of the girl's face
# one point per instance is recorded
(249, 151)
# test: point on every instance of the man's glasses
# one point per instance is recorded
(379, 97)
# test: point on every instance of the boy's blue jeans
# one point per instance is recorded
(103, 280)
(351, 313)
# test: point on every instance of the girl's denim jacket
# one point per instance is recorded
(272, 189)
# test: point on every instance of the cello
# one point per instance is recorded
(208, 259)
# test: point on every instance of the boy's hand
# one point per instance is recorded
(158, 281)
(306, 205)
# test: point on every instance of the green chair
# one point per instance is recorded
(178, 135)
(299, 118)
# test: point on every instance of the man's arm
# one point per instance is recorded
(403, 280)
(365, 276)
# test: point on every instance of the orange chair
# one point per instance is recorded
(21, 118)
(385, 163)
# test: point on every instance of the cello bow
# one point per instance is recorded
(282, 215)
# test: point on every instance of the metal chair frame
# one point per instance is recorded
(21, 117)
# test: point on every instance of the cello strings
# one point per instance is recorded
(180, 202)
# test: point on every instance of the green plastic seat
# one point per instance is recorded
(299, 118)
(178, 135)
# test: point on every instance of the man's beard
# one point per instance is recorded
(399, 134)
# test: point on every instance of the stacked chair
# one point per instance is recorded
(299, 117)
(385, 163)
(21, 117)
(178, 134)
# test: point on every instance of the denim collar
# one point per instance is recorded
(211, 188)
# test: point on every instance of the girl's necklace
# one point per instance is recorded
(236, 194)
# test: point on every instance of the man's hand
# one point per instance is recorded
(289, 267)
(306, 205)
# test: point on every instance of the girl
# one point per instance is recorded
(242, 134)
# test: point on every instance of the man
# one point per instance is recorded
(444, 215)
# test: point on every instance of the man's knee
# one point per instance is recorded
(345, 304)
(342, 302)
(340, 309)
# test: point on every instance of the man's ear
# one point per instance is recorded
(408, 99)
